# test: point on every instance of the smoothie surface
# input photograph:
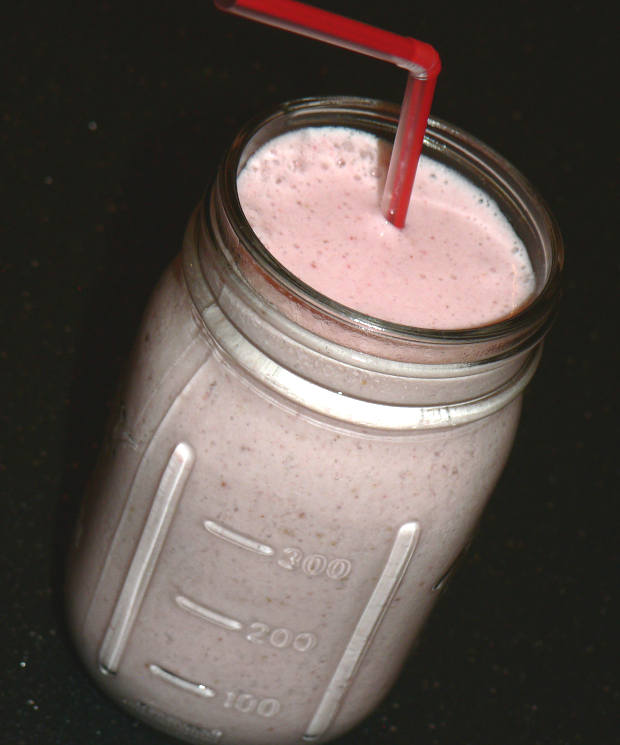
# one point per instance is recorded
(312, 197)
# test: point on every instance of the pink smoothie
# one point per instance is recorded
(312, 197)
(273, 513)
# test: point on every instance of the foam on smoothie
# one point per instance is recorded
(312, 197)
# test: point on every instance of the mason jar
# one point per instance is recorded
(287, 481)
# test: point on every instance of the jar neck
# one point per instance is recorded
(296, 341)
(241, 253)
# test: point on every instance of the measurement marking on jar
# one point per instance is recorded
(246, 703)
(145, 557)
(280, 637)
(238, 539)
(313, 565)
(257, 632)
(394, 570)
(208, 614)
(186, 685)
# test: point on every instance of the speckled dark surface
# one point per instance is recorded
(114, 117)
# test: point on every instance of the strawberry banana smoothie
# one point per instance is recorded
(287, 483)
(312, 197)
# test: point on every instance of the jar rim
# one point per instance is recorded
(521, 330)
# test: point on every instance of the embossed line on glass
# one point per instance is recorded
(151, 541)
(238, 539)
(186, 685)
(358, 411)
(442, 581)
(182, 729)
(402, 550)
(207, 614)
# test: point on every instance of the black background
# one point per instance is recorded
(114, 117)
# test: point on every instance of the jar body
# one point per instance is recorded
(260, 549)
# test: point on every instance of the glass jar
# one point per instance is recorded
(287, 481)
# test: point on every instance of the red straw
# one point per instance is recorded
(419, 59)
